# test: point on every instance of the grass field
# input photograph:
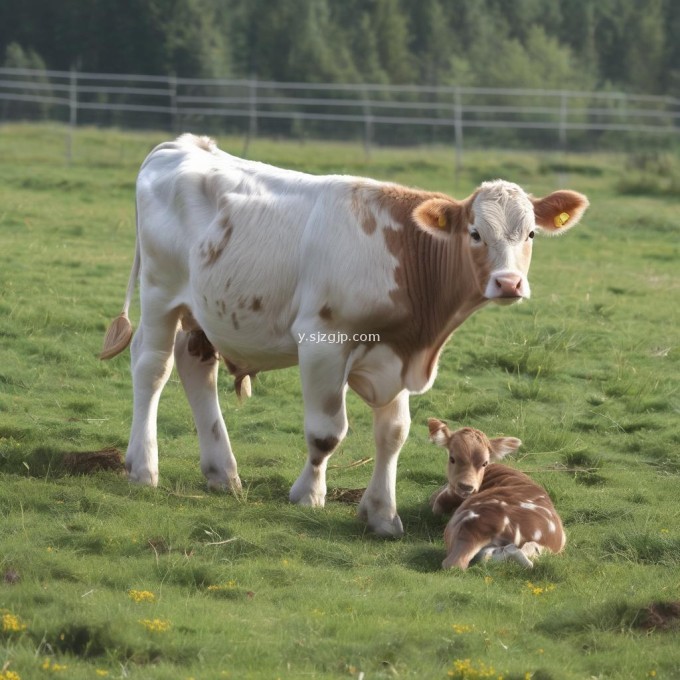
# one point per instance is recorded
(102, 579)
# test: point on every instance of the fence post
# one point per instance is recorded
(252, 113)
(174, 108)
(564, 113)
(73, 113)
(368, 124)
(458, 128)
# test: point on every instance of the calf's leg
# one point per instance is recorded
(197, 365)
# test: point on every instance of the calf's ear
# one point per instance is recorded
(502, 446)
(439, 432)
(559, 211)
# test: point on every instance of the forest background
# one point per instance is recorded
(607, 45)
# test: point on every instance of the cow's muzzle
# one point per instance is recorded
(507, 287)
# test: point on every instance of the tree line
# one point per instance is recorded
(627, 45)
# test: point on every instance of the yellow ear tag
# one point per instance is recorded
(561, 219)
(442, 221)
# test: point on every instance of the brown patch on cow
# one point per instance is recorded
(216, 430)
(226, 287)
(362, 210)
(89, 462)
(256, 304)
(241, 303)
(210, 252)
(221, 308)
(659, 616)
(199, 346)
(435, 276)
(325, 445)
(332, 404)
(234, 321)
(326, 313)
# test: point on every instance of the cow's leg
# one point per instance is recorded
(197, 365)
(322, 371)
(378, 506)
(151, 364)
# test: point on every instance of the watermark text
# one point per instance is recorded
(336, 338)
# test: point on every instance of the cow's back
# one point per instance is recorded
(256, 252)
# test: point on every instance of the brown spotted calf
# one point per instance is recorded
(498, 513)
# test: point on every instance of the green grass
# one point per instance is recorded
(586, 374)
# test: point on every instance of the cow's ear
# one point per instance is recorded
(439, 432)
(438, 216)
(502, 446)
(559, 211)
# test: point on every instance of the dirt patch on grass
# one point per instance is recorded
(659, 616)
(88, 462)
(349, 496)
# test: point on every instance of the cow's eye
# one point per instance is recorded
(485, 463)
(531, 234)
(474, 235)
(452, 460)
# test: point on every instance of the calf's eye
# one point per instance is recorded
(452, 460)
(485, 463)
(531, 234)
(474, 235)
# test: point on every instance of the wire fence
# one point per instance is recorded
(375, 114)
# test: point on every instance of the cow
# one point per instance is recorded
(255, 264)
(499, 513)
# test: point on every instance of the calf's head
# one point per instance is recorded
(495, 227)
(470, 452)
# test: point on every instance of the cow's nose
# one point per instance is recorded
(509, 285)
(465, 489)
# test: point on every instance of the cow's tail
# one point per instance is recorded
(119, 333)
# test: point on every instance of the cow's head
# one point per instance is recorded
(470, 452)
(496, 227)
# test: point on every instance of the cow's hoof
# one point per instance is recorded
(302, 496)
(143, 477)
(232, 485)
(386, 528)
(309, 488)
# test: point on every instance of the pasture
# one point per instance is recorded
(102, 579)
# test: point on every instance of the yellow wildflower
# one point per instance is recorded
(141, 596)
(540, 590)
(53, 666)
(101, 672)
(461, 628)
(9, 675)
(12, 623)
(464, 669)
(155, 625)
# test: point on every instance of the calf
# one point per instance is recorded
(498, 513)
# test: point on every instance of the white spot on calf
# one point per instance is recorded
(537, 535)
(471, 515)
(518, 536)
(551, 527)
(528, 506)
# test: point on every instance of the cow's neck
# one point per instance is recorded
(438, 287)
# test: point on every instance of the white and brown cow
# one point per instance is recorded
(252, 263)
(498, 512)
